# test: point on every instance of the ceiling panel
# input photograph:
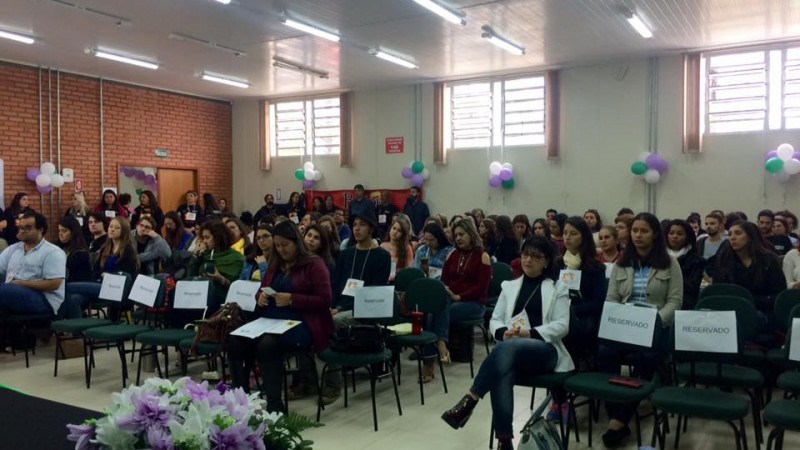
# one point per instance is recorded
(554, 33)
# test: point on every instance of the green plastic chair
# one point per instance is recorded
(726, 289)
(785, 414)
(120, 333)
(784, 304)
(404, 278)
(22, 325)
(500, 272)
(427, 296)
(729, 374)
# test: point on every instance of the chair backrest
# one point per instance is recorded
(426, 295)
(794, 314)
(727, 289)
(746, 318)
(404, 277)
(154, 314)
(500, 272)
(785, 303)
(126, 290)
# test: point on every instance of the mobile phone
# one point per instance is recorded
(210, 267)
(626, 382)
(268, 291)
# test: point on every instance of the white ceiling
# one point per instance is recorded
(554, 32)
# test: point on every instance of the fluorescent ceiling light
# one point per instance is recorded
(393, 59)
(124, 59)
(196, 40)
(448, 14)
(285, 64)
(224, 2)
(636, 22)
(310, 29)
(17, 37)
(505, 44)
(224, 80)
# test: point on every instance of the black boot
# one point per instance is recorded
(458, 415)
(505, 444)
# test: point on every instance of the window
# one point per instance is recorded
(305, 127)
(494, 113)
(752, 90)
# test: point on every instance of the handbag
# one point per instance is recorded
(359, 339)
(215, 329)
(539, 433)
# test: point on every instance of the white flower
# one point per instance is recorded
(110, 435)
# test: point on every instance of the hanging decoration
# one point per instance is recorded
(650, 167)
(501, 175)
(142, 181)
(46, 177)
(308, 175)
(416, 173)
(782, 162)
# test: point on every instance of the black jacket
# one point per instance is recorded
(692, 266)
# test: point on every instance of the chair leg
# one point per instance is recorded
(58, 348)
(319, 391)
(396, 393)
(344, 381)
(372, 394)
(471, 344)
(591, 419)
(419, 375)
(744, 435)
(775, 436)
(441, 372)
(166, 362)
(485, 338)
(88, 359)
(142, 354)
(756, 405)
(123, 360)
(154, 352)
(678, 431)
(638, 429)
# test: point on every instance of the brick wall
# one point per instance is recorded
(197, 133)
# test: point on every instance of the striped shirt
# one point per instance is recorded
(640, 277)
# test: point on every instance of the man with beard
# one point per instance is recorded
(268, 208)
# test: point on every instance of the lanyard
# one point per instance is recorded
(362, 267)
(525, 306)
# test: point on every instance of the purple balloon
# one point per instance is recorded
(770, 154)
(407, 173)
(796, 155)
(495, 181)
(139, 175)
(506, 175)
(417, 180)
(150, 179)
(33, 172)
(656, 162)
(308, 184)
(45, 189)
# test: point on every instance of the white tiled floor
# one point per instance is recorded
(418, 428)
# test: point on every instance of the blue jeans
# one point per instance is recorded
(455, 312)
(21, 300)
(499, 370)
(77, 296)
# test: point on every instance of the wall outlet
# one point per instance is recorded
(68, 174)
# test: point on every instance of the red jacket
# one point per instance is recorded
(311, 297)
(121, 211)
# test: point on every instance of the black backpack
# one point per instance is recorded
(359, 339)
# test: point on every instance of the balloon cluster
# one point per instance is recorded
(782, 162)
(141, 181)
(649, 166)
(501, 175)
(416, 173)
(45, 177)
(308, 175)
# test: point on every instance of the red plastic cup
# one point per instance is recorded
(416, 322)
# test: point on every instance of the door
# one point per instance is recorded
(172, 187)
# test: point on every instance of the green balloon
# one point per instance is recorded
(299, 174)
(417, 167)
(638, 168)
(508, 184)
(774, 165)
(138, 192)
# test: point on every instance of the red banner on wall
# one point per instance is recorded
(341, 198)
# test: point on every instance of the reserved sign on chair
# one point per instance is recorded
(145, 290)
(706, 331)
(113, 287)
(794, 343)
(243, 293)
(373, 302)
(627, 323)
(191, 294)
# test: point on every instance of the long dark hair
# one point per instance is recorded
(324, 251)
(151, 198)
(523, 219)
(15, 208)
(756, 246)
(658, 257)
(438, 233)
(220, 233)
(210, 203)
(691, 238)
(588, 251)
(543, 222)
(491, 231)
(289, 230)
(76, 241)
(173, 238)
(114, 206)
(545, 247)
(597, 218)
(253, 250)
(504, 229)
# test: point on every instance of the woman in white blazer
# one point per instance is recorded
(530, 320)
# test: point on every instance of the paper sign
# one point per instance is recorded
(609, 268)
(794, 343)
(373, 302)
(394, 145)
(706, 331)
(263, 325)
(571, 279)
(244, 293)
(191, 294)
(628, 323)
(111, 214)
(145, 290)
(434, 273)
(113, 287)
(351, 285)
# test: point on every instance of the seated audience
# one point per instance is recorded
(709, 244)
(148, 207)
(215, 260)
(488, 233)
(175, 234)
(70, 239)
(791, 269)
(317, 239)
(398, 244)
(328, 208)
(531, 346)
(125, 202)
(110, 206)
(609, 251)
(97, 229)
(268, 209)
(592, 218)
(780, 239)
(295, 206)
(541, 228)
(696, 223)
(238, 234)
(257, 257)
(557, 231)
(508, 237)
(342, 228)
(153, 250)
(522, 229)
(623, 225)
(211, 208)
(190, 211)
(431, 255)
(682, 245)
(80, 211)
(20, 205)
(223, 205)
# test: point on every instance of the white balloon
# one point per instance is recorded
(308, 165)
(782, 176)
(792, 166)
(785, 152)
(48, 168)
(495, 168)
(309, 174)
(57, 180)
(426, 174)
(652, 176)
(317, 175)
(508, 166)
(43, 180)
(643, 156)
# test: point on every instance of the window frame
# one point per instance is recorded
(309, 126)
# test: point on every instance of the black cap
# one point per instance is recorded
(367, 217)
(359, 187)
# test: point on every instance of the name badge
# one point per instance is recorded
(111, 214)
(351, 285)
(520, 321)
(571, 279)
(112, 287)
(381, 219)
(393, 270)
(145, 290)
(434, 273)
(80, 220)
(295, 219)
(373, 302)
(706, 331)
(628, 323)
(609, 268)
(191, 294)
(190, 216)
(244, 293)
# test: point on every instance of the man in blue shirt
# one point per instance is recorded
(416, 210)
(360, 205)
(32, 270)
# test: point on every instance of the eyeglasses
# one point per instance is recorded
(263, 237)
(536, 256)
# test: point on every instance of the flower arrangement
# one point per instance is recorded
(185, 415)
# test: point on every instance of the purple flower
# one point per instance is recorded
(148, 414)
(231, 438)
(222, 387)
(256, 439)
(159, 439)
(196, 391)
(82, 436)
